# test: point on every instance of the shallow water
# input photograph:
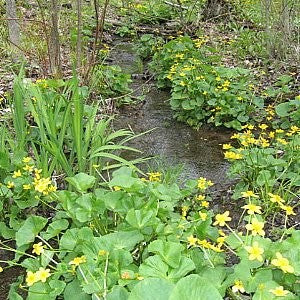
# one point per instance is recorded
(175, 143)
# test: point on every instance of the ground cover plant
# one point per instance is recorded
(80, 220)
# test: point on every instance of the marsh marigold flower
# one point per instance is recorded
(279, 291)
(275, 198)
(249, 194)
(154, 176)
(238, 287)
(31, 278)
(255, 252)
(221, 219)
(26, 160)
(256, 227)
(10, 185)
(42, 274)
(282, 263)
(17, 174)
(233, 155)
(192, 240)
(38, 248)
(78, 260)
(288, 210)
(252, 209)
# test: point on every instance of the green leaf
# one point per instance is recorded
(282, 109)
(152, 288)
(140, 218)
(73, 291)
(186, 265)
(29, 230)
(4, 161)
(170, 252)
(194, 287)
(82, 182)
(117, 293)
(55, 228)
(154, 266)
(6, 232)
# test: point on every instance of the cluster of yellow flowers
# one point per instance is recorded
(41, 275)
(199, 42)
(42, 82)
(154, 176)
(203, 183)
(42, 185)
(224, 87)
(77, 261)
(217, 247)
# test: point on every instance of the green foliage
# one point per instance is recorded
(200, 91)
(267, 162)
(110, 82)
(139, 238)
(66, 134)
(147, 45)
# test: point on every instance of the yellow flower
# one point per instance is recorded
(221, 240)
(10, 185)
(192, 240)
(238, 287)
(31, 278)
(78, 260)
(38, 248)
(275, 198)
(233, 155)
(282, 141)
(26, 160)
(203, 184)
(26, 186)
(204, 243)
(203, 216)
(288, 210)
(279, 291)
(256, 227)
(102, 252)
(184, 210)
(263, 126)
(28, 168)
(218, 78)
(205, 204)
(52, 188)
(226, 146)
(17, 174)
(41, 185)
(116, 188)
(1, 269)
(154, 176)
(221, 219)
(255, 252)
(249, 194)
(252, 209)
(42, 274)
(282, 263)
(200, 197)
(216, 248)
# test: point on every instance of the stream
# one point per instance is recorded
(171, 142)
